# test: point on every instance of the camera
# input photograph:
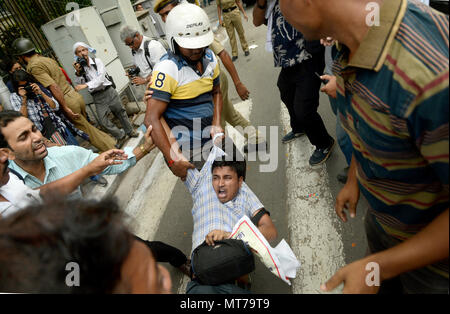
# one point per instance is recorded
(133, 72)
(82, 62)
(29, 89)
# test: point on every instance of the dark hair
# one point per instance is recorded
(238, 166)
(38, 242)
(19, 76)
(7, 64)
(233, 159)
(6, 117)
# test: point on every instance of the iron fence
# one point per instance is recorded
(24, 18)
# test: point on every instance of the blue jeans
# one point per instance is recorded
(194, 287)
(70, 139)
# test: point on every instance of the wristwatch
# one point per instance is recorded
(262, 7)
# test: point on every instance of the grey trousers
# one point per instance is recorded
(108, 101)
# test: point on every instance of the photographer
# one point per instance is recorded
(91, 74)
(146, 53)
(38, 104)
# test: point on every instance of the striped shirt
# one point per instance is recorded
(188, 94)
(208, 212)
(33, 108)
(393, 102)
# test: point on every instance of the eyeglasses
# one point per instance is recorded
(132, 41)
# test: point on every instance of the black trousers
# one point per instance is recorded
(300, 91)
(165, 253)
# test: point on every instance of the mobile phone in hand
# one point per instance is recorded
(322, 80)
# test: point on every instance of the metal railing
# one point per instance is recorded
(24, 18)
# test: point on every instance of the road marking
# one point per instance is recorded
(311, 220)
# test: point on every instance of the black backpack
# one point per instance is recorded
(147, 52)
(222, 263)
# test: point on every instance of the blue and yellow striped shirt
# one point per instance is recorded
(188, 94)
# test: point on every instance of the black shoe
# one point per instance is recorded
(290, 137)
(100, 180)
(343, 175)
(260, 147)
(133, 134)
(234, 59)
(321, 155)
(247, 53)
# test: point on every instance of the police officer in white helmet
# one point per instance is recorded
(186, 90)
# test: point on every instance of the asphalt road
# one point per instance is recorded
(300, 199)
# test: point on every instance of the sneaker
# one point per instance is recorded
(321, 155)
(290, 137)
(247, 53)
(234, 58)
(255, 147)
(343, 175)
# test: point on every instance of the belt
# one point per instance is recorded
(229, 9)
(99, 91)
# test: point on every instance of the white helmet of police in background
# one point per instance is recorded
(188, 25)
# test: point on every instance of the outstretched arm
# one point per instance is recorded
(229, 65)
(69, 183)
(427, 247)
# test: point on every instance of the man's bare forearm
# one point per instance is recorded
(229, 65)
(239, 4)
(219, 13)
(429, 246)
(67, 184)
(59, 96)
(218, 103)
(160, 138)
(258, 13)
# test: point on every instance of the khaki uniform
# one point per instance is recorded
(229, 113)
(232, 21)
(47, 72)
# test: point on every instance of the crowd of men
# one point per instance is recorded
(387, 84)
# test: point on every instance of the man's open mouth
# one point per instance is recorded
(222, 193)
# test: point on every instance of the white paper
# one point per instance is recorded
(281, 261)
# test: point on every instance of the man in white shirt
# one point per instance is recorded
(91, 74)
(146, 52)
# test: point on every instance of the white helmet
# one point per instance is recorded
(188, 25)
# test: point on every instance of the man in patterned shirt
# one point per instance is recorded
(392, 79)
(298, 84)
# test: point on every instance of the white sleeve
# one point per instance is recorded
(100, 77)
(156, 50)
(56, 104)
